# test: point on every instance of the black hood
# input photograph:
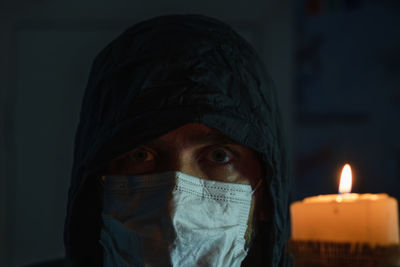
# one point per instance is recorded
(155, 77)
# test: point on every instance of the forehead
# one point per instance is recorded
(194, 133)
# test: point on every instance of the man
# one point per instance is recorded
(179, 158)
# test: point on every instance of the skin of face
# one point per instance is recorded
(200, 151)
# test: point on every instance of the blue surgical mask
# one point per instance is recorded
(174, 219)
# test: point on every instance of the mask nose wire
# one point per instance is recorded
(257, 186)
(206, 189)
(252, 192)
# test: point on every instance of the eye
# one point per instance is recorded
(141, 155)
(220, 155)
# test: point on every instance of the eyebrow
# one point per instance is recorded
(213, 137)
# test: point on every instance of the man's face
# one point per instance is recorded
(200, 151)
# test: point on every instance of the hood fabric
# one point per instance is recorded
(155, 77)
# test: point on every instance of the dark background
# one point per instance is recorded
(336, 65)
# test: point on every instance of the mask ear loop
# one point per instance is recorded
(257, 186)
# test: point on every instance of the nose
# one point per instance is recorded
(184, 160)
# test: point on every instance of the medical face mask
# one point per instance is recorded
(174, 219)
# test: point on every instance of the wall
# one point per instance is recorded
(347, 96)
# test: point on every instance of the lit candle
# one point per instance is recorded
(346, 217)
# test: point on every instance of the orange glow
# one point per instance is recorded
(345, 180)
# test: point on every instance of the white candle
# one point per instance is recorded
(348, 217)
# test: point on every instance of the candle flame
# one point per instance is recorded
(345, 180)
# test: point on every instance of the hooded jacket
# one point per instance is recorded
(155, 77)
